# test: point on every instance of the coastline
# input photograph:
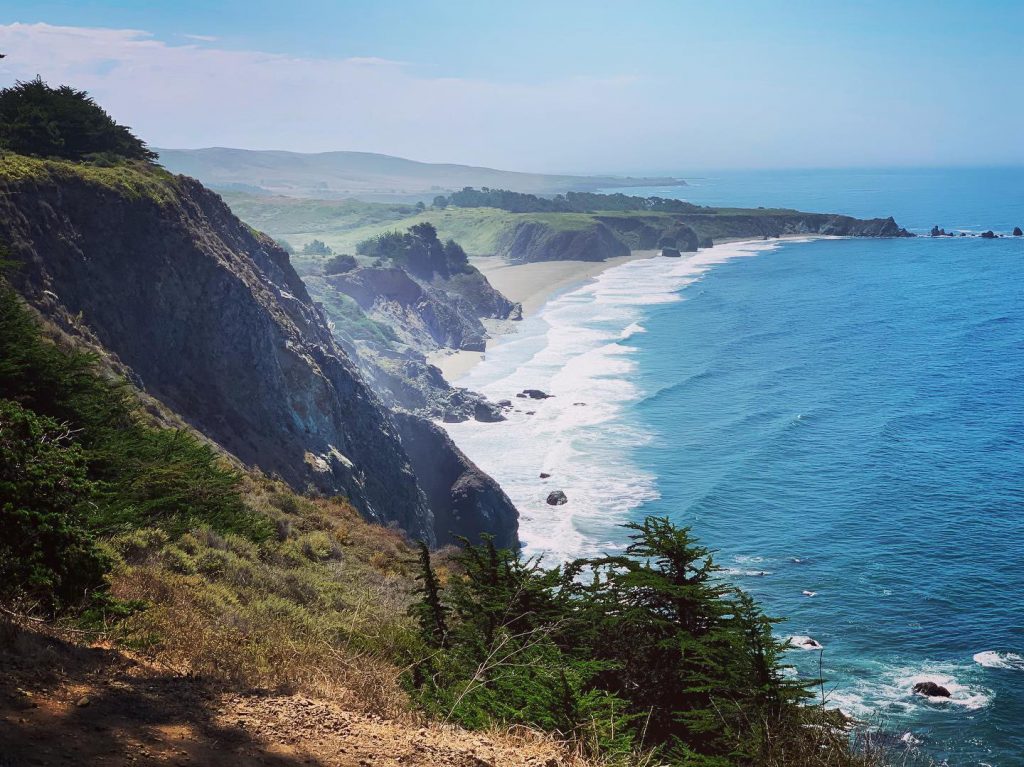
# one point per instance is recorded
(531, 285)
(534, 284)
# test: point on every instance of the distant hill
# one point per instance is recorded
(367, 176)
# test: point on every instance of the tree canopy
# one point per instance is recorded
(419, 250)
(63, 122)
(570, 202)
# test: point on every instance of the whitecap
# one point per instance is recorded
(1003, 660)
(801, 642)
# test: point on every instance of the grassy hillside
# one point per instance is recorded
(342, 224)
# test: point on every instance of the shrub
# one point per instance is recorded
(418, 250)
(316, 248)
(143, 475)
(38, 120)
(46, 552)
(340, 264)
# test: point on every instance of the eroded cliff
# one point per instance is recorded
(212, 320)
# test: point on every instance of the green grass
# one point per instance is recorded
(132, 180)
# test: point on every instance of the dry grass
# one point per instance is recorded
(320, 609)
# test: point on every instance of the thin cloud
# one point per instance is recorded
(202, 38)
(191, 96)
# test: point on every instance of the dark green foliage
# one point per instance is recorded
(571, 202)
(418, 250)
(340, 264)
(123, 473)
(316, 248)
(41, 121)
(428, 611)
(47, 554)
(647, 650)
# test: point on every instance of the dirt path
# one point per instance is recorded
(64, 704)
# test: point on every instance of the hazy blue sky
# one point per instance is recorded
(570, 86)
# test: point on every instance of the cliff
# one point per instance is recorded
(212, 320)
(423, 317)
(466, 501)
(529, 241)
(600, 236)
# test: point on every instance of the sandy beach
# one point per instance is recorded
(532, 285)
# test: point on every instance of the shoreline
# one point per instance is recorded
(536, 283)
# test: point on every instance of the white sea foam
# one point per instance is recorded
(801, 642)
(577, 349)
(1004, 660)
(891, 691)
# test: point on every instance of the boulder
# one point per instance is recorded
(488, 412)
(989, 235)
(1017, 231)
(932, 690)
(534, 394)
(557, 498)
(544, 475)
(671, 253)
(936, 232)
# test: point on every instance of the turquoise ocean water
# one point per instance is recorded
(842, 417)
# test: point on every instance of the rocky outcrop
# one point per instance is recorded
(989, 235)
(557, 498)
(213, 321)
(424, 318)
(601, 236)
(932, 690)
(466, 502)
(1017, 231)
(534, 394)
(721, 225)
(530, 241)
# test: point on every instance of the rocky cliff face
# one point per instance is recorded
(601, 236)
(424, 317)
(772, 225)
(213, 321)
(535, 241)
(466, 502)
(423, 314)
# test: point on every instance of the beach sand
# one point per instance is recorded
(532, 285)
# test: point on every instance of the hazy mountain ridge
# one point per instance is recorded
(365, 175)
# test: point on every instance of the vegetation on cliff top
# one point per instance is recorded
(570, 202)
(63, 122)
(417, 250)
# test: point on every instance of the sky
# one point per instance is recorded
(552, 86)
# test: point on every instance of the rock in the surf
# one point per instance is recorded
(989, 235)
(932, 690)
(557, 498)
(534, 394)
(1017, 231)
(544, 475)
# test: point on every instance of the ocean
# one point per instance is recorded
(840, 417)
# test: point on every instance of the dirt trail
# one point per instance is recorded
(66, 704)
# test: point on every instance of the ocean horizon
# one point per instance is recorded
(840, 419)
